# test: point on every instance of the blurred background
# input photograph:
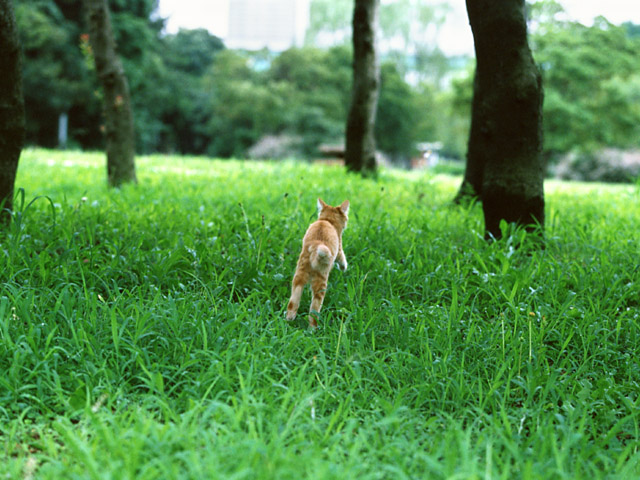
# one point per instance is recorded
(272, 79)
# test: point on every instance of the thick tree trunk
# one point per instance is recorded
(120, 144)
(505, 166)
(360, 150)
(11, 108)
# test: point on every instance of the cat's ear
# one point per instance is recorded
(345, 207)
(321, 205)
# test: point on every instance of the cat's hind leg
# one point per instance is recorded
(300, 279)
(319, 288)
(341, 260)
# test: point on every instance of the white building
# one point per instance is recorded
(274, 24)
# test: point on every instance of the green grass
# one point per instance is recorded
(142, 331)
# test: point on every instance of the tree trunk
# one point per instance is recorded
(360, 150)
(471, 187)
(120, 144)
(12, 123)
(505, 166)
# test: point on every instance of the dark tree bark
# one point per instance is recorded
(120, 143)
(360, 150)
(12, 124)
(505, 167)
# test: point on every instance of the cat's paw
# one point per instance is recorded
(291, 315)
(342, 266)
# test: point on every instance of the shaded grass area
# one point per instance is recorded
(142, 331)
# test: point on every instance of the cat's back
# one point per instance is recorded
(321, 231)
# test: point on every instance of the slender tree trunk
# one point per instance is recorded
(505, 166)
(360, 151)
(12, 120)
(120, 144)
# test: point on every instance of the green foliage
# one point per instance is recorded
(187, 57)
(189, 99)
(409, 32)
(137, 41)
(398, 113)
(320, 86)
(592, 86)
(305, 93)
(455, 108)
(142, 330)
(302, 92)
(243, 106)
(591, 83)
(329, 22)
(58, 80)
(191, 51)
(54, 73)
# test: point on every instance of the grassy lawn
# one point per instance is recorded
(142, 331)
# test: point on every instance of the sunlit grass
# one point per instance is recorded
(142, 332)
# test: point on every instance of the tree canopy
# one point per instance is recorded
(592, 81)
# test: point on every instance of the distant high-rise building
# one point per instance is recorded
(274, 24)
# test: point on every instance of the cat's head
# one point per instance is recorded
(338, 214)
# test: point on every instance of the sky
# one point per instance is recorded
(455, 35)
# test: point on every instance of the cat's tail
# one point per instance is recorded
(320, 257)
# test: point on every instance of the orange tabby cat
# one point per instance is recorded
(321, 247)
